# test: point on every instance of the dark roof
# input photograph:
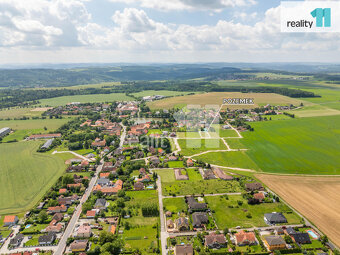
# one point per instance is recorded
(100, 202)
(301, 237)
(254, 186)
(290, 230)
(199, 218)
(275, 240)
(275, 218)
(193, 204)
(215, 238)
(49, 238)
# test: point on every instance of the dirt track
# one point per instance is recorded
(317, 198)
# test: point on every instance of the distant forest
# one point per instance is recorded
(22, 97)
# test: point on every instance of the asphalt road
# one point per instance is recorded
(75, 217)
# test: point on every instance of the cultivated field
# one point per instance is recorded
(96, 98)
(296, 146)
(317, 198)
(216, 98)
(25, 175)
(160, 92)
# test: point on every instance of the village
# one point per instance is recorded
(134, 192)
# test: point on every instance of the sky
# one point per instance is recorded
(154, 31)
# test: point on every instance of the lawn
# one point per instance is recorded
(195, 184)
(194, 146)
(296, 146)
(228, 213)
(175, 164)
(18, 113)
(142, 234)
(176, 204)
(25, 175)
(236, 159)
(95, 98)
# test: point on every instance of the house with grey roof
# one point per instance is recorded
(274, 218)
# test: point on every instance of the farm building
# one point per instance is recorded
(44, 136)
(4, 131)
(47, 144)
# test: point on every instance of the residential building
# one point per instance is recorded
(182, 224)
(101, 204)
(254, 186)
(10, 220)
(184, 249)
(274, 218)
(16, 241)
(47, 239)
(79, 245)
(193, 205)
(215, 241)
(84, 231)
(274, 243)
(301, 238)
(199, 219)
(245, 238)
(138, 186)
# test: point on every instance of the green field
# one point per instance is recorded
(18, 112)
(23, 128)
(235, 159)
(194, 146)
(95, 98)
(175, 205)
(228, 213)
(25, 175)
(297, 146)
(195, 184)
(143, 231)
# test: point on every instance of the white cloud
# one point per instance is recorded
(178, 5)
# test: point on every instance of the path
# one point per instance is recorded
(70, 227)
(164, 233)
(122, 137)
(72, 152)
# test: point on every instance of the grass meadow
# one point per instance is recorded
(195, 184)
(95, 98)
(236, 159)
(25, 175)
(297, 146)
(229, 213)
(193, 146)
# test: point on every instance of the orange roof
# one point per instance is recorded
(104, 175)
(74, 185)
(62, 191)
(9, 218)
(113, 229)
(259, 196)
(245, 236)
(91, 213)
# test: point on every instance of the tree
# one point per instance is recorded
(42, 216)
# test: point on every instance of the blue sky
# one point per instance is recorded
(140, 31)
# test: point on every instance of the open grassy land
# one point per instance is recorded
(25, 128)
(236, 159)
(195, 184)
(317, 198)
(25, 175)
(96, 98)
(143, 230)
(19, 112)
(216, 98)
(297, 146)
(160, 92)
(229, 213)
(194, 146)
(175, 205)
